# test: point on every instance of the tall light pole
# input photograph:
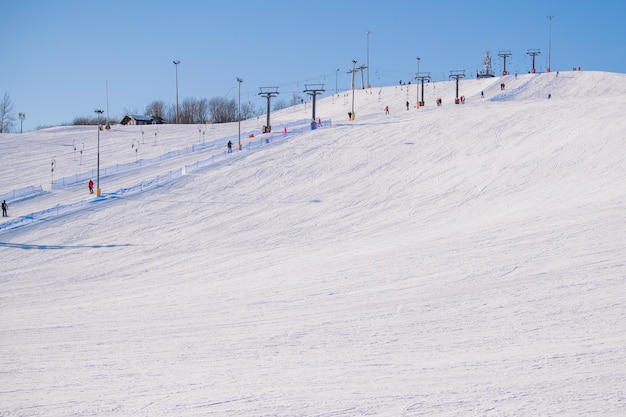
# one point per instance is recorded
(418, 86)
(549, 17)
(98, 112)
(368, 58)
(239, 81)
(176, 62)
(336, 76)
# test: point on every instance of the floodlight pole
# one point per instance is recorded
(504, 55)
(176, 62)
(368, 58)
(336, 76)
(98, 112)
(549, 17)
(22, 116)
(268, 94)
(417, 97)
(239, 81)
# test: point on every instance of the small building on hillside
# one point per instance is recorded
(139, 119)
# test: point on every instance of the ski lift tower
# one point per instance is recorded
(504, 55)
(361, 68)
(456, 74)
(352, 71)
(533, 53)
(313, 90)
(268, 93)
(422, 77)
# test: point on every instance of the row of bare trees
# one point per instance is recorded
(190, 111)
(195, 111)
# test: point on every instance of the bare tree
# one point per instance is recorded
(279, 104)
(198, 111)
(223, 110)
(7, 117)
(193, 111)
(248, 110)
(170, 115)
(202, 114)
(156, 109)
(186, 111)
(295, 99)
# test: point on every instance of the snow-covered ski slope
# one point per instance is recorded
(462, 260)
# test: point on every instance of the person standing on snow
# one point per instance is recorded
(90, 185)
(386, 109)
(407, 105)
(230, 147)
(4, 208)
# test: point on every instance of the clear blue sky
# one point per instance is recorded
(61, 59)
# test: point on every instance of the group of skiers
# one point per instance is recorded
(460, 100)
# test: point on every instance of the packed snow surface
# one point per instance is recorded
(453, 260)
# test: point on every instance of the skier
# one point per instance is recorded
(4, 208)
(386, 109)
(90, 185)
(407, 105)
(230, 147)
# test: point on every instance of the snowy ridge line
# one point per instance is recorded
(159, 180)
